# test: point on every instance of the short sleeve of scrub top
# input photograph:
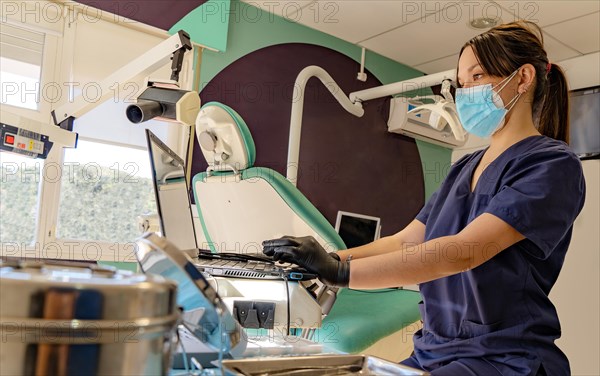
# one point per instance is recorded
(537, 198)
(498, 314)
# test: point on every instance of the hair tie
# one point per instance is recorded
(548, 67)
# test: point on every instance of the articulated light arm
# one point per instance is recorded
(352, 105)
(297, 109)
(403, 86)
(443, 109)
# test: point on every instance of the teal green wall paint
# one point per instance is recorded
(435, 161)
(208, 24)
(251, 29)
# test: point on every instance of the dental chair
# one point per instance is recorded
(240, 205)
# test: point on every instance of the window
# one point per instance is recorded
(104, 188)
(27, 57)
(21, 54)
(93, 193)
(19, 182)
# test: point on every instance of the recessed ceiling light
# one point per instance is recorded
(484, 22)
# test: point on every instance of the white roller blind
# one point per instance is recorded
(40, 15)
(101, 47)
(21, 57)
(21, 44)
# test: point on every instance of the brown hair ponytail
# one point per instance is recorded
(504, 48)
(554, 116)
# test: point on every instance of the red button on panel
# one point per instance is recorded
(9, 139)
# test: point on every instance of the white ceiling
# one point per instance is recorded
(427, 35)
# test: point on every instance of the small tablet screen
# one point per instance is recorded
(356, 229)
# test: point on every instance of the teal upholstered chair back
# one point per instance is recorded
(240, 205)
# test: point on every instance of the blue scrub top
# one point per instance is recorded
(497, 317)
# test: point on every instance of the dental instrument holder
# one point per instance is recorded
(446, 85)
(435, 120)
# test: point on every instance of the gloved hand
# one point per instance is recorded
(308, 253)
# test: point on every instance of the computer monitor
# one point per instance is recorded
(172, 194)
(584, 129)
(357, 229)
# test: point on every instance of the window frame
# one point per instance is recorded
(110, 251)
(57, 66)
(50, 70)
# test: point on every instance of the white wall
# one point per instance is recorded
(576, 294)
(577, 291)
(582, 71)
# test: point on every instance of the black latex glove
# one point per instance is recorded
(309, 254)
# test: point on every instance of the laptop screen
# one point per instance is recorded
(171, 191)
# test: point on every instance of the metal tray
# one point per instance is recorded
(319, 365)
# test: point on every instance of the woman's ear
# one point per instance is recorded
(527, 78)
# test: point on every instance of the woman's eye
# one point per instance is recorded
(477, 76)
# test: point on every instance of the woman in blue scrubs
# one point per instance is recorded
(489, 244)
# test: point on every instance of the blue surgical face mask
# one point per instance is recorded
(481, 110)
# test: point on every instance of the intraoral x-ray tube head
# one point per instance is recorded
(166, 103)
(143, 111)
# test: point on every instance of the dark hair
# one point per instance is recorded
(504, 48)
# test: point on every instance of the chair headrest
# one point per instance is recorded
(224, 138)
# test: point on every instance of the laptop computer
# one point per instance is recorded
(171, 193)
(250, 266)
(176, 223)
